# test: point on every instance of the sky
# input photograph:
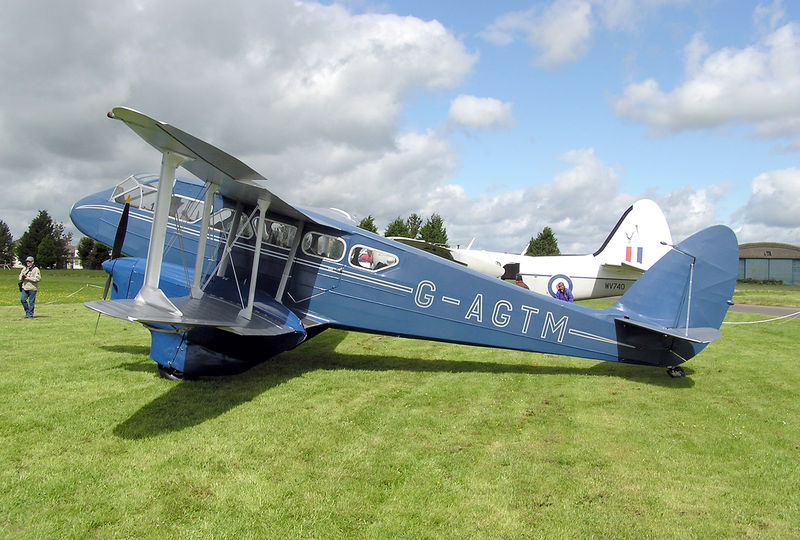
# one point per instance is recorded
(502, 117)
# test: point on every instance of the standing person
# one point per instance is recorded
(521, 283)
(563, 293)
(29, 279)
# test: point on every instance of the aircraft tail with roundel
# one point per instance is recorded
(639, 239)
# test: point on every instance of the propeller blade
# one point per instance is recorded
(122, 228)
(119, 239)
(108, 286)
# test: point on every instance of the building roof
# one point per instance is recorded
(768, 250)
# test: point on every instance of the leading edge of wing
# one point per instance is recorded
(203, 312)
(235, 179)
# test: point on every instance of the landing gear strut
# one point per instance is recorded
(675, 372)
(169, 373)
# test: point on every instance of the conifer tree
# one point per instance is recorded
(368, 224)
(6, 245)
(56, 249)
(398, 227)
(544, 244)
(433, 231)
(413, 222)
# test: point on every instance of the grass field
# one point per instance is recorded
(355, 435)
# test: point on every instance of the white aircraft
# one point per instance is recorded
(639, 239)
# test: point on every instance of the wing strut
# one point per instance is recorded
(247, 311)
(233, 234)
(150, 293)
(289, 261)
(211, 190)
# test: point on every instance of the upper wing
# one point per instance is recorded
(236, 180)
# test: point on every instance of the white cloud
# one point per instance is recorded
(478, 112)
(307, 90)
(559, 31)
(756, 86)
(772, 213)
(581, 204)
(689, 209)
(775, 199)
(769, 16)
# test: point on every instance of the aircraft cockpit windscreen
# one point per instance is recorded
(142, 195)
(371, 259)
(144, 192)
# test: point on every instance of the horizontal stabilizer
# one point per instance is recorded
(625, 265)
(207, 311)
(693, 335)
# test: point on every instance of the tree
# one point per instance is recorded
(413, 222)
(46, 253)
(56, 249)
(6, 245)
(398, 227)
(433, 231)
(368, 224)
(92, 254)
(544, 244)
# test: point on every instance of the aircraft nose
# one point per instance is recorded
(89, 216)
(84, 217)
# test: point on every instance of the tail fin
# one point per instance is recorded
(678, 305)
(638, 238)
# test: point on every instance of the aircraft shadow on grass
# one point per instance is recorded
(190, 403)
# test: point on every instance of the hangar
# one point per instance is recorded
(766, 260)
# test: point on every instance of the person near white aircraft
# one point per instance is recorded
(520, 282)
(563, 293)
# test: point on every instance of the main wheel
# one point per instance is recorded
(675, 372)
(169, 373)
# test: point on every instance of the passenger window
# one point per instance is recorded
(279, 234)
(222, 219)
(371, 259)
(186, 209)
(323, 245)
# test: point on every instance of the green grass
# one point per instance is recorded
(355, 435)
(775, 295)
(57, 286)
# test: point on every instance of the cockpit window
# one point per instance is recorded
(371, 259)
(142, 195)
(323, 245)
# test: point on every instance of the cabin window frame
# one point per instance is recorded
(306, 246)
(270, 238)
(355, 254)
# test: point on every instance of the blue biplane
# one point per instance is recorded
(225, 274)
